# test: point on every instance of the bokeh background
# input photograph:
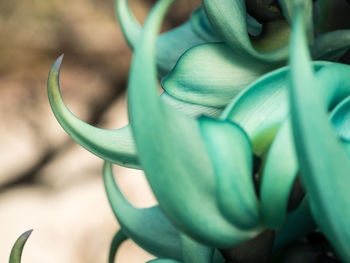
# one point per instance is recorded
(47, 182)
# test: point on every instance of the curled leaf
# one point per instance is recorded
(147, 227)
(325, 180)
(17, 249)
(211, 74)
(117, 240)
(230, 151)
(181, 177)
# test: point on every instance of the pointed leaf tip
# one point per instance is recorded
(16, 252)
(57, 64)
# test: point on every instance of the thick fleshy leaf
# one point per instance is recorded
(190, 109)
(170, 45)
(194, 252)
(117, 240)
(280, 171)
(116, 146)
(324, 164)
(229, 20)
(299, 223)
(17, 249)
(202, 27)
(147, 227)
(261, 107)
(230, 151)
(211, 74)
(288, 11)
(282, 167)
(172, 152)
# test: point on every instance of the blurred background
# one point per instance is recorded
(47, 182)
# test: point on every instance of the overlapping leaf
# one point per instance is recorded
(326, 180)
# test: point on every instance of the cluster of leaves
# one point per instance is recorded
(247, 157)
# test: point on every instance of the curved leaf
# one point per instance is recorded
(280, 171)
(193, 252)
(112, 145)
(261, 107)
(17, 249)
(117, 240)
(229, 20)
(116, 146)
(172, 152)
(211, 74)
(326, 180)
(148, 227)
(170, 45)
(230, 151)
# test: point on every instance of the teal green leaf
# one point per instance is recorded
(194, 252)
(116, 146)
(190, 109)
(172, 153)
(171, 44)
(129, 25)
(288, 11)
(281, 166)
(280, 171)
(211, 74)
(299, 223)
(262, 107)
(147, 227)
(231, 153)
(117, 240)
(202, 27)
(324, 164)
(113, 145)
(17, 249)
(229, 21)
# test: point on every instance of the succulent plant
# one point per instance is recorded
(247, 156)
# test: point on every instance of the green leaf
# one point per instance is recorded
(170, 45)
(280, 171)
(117, 240)
(230, 151)
(281, 166)
(172, 152)
(147, 227)
(229, 20)
(194, 252)
(262, 107)
(116, 146)
(17, 249)
(289, 10)
(324, 164)
(211, 74)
